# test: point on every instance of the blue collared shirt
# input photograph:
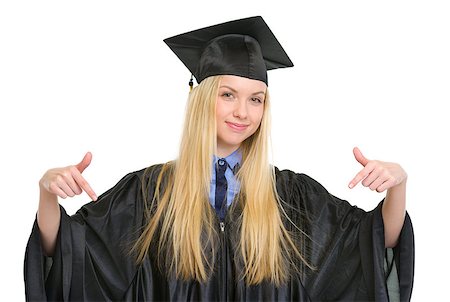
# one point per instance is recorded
(233, 183)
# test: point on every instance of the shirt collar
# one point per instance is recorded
(232, 159)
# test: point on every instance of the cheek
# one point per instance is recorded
(257, 116)
(221, 110)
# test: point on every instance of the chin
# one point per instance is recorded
(234, 142)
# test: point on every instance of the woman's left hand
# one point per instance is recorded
(377, 175)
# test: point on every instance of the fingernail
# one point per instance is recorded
(351, 185)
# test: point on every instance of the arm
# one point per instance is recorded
(48, 219)
(382, 176)
(394, 209)
(63, 182)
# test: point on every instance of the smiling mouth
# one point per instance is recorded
(238, 127)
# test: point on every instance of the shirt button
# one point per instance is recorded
(221, 162)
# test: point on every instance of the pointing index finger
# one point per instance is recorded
(360, 176)
(84, 185)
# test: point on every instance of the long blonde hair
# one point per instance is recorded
(181, 222)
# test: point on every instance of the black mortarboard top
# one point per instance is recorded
(245, 47)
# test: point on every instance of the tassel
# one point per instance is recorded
(191, 83)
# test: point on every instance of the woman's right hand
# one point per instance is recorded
(62, 182)
(68, 181)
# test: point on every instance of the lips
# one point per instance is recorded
(237, 126)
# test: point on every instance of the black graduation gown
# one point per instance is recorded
(91, 261)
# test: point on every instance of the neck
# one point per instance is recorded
(222, 153)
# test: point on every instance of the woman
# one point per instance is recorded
(219, 222)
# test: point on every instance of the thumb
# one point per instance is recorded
(360, 157)
(85, 162)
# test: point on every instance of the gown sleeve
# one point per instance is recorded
(91, 259)
(344, 244)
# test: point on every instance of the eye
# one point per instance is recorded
(227, 95)
(256, 100)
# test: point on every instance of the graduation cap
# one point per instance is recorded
(244, 47)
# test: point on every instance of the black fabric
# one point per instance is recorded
(244, 47)
(346, 247)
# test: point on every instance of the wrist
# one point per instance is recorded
(45, 196)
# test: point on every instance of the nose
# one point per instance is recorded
(240, 110)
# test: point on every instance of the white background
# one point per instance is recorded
(95, 76)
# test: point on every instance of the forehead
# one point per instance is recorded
(242, 84)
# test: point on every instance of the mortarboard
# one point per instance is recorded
(244, 47)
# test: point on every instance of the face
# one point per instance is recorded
(239, 111)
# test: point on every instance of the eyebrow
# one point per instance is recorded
(234, 90)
